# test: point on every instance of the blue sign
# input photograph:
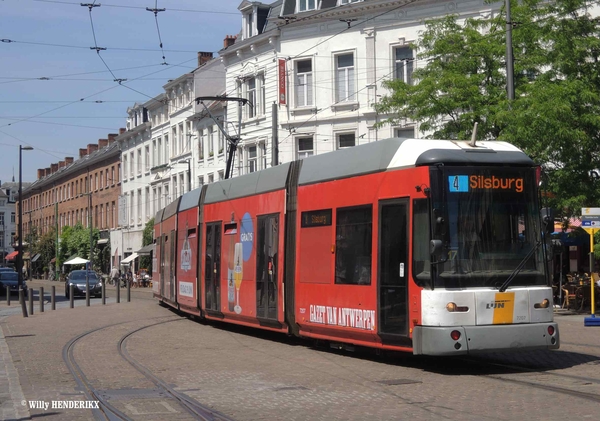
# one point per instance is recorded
(590, 223)
(247, 236)
(458, 183)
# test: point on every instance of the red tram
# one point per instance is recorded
(428, 246)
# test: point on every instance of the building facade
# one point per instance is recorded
(9, 192)
(76, 191)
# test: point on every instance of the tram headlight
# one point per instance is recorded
(451, 307)
(544, 304)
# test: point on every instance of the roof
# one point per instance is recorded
(393, 153)
(101, 154)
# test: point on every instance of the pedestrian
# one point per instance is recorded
(134, 276)
(114, 275)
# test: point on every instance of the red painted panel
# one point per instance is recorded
(156, 261)
(168, 271)
(187, 257)
(244, 212)
(349, 311)
(316, 248)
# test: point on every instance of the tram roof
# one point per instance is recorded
(171, 209)
(264, 181)
(396, 153)
(190, 199)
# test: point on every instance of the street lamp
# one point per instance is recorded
(20, 230)
(189, 172)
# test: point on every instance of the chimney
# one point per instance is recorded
(92, 147)
(82, 152)
(41, 173)
(61, 164)
(204, 57)
(53, 168)
(102, 143)
(69, 160)
(229, 41)
(122, 130)
(111, 138)
(48, 171)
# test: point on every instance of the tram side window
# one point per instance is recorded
(421, 262)
(353, 240)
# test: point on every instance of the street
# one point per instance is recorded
(242, 374)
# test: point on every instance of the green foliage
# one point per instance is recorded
(555, 117)
(46, 247)
(147, 238)
(76, 241)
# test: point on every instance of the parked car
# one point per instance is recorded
(10, 278)
(5, 269)
(77, 279)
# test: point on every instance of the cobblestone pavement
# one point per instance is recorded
(249, 375)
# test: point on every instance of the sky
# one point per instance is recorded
(57, 94)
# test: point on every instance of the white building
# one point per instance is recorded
(323, 65)
(9, 191)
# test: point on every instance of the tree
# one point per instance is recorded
(555, 117)
(46, 247)
(147, 238)
(76, 241)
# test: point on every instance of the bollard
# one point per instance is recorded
(87, 292)
(41, 299)
(128, 291)
(53, 298)
(103, 293)
(71, 302)
(22, 302)
(30, 301)
(7, 296)
(118, 291)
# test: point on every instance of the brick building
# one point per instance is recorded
(59, 197)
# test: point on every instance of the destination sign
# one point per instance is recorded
(318, 218)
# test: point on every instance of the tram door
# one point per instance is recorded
(393, 270)
(212, 266)
(266, 266)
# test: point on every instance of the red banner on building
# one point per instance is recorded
(282, 91)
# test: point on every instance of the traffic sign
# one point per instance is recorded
(590, 223)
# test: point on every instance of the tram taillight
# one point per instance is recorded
(550, 330)
(455, 334)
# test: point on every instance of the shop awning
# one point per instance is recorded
(146, 250)
(129, 259)
(37, 256)
(12, 256)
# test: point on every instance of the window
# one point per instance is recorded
(404, 63)
(305, 5)
(211, 178)
(201, 144)
(154, 153)
(147, 160)
(125, 164)
(131, 165)
(174, 152)
(181, 139)
(349, 1)
(249, 25)
(139, 161)
(211, 141)
(252, 159)
(139, 206)
(353, 246)
(182, 183)
(154, 201)
(167, 150)
(112, 174)
(221, 141)
(200, 181)
(160, 152)
(255, 93)
(221, 175)
(303, 89)
(12, 217)
(406, 132)
(175, 186)
(305, 147)
(346, 140)
(344, 65)
(2, 219)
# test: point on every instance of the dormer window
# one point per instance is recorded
(249, 18)
(305, 5)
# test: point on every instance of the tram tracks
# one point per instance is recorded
(111, 407)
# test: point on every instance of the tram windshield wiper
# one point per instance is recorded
(519, 267)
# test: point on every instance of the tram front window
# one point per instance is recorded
(490, 224)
